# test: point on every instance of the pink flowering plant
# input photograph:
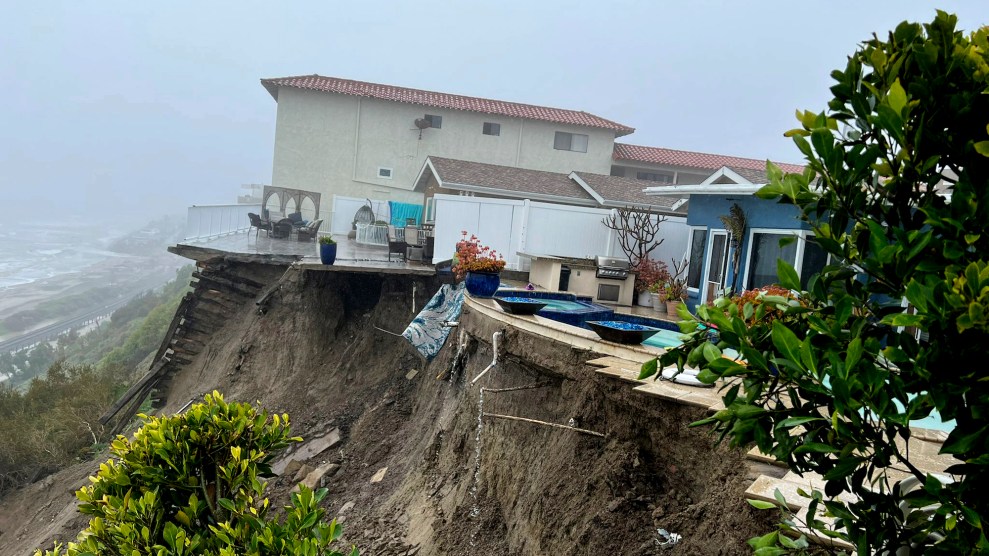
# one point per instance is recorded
(473, 257)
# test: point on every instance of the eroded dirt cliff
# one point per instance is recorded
(322, 349)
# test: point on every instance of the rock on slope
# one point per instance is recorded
(320, 350)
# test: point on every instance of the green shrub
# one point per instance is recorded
(192, 484)
(897, 193)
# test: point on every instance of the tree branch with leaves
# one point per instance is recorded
(899, 199)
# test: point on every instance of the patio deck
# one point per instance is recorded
(351, 257)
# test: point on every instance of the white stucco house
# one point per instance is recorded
(359, 140)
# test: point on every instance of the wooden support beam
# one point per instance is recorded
(190, 326)
(176, 319)
(224, 283)
(151, 376)
(274, 287)
(217, 298)
(231, 277)
(183, 352)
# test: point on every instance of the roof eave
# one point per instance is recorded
(271, 87)
(516, 194)
(672, 210)
(586, 187)
(710, 189)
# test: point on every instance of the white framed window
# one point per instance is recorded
(435, 122)
(491, 128)
(804, 254)
(576, 142)
(695, 256)
(384, 172)
(430, 210)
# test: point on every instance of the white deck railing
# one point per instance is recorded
(372, 234)
(207, 221)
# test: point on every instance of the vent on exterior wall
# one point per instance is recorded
(384, 173)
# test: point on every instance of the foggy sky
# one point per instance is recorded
(129, 110)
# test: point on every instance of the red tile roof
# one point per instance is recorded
(671, 157)
(443, 100)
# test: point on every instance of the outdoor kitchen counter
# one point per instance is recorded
(545, 270)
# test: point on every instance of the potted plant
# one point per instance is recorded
(327, 250)
(478, 265)
(647, 273)
(676, 288)
(657, 296)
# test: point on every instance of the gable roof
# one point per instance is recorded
(443, 100)
(615, 191)
(672, 157)
(507, 180)
(585, 189)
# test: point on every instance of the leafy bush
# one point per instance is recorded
(191, 484)
(897, 192)
(48, 425)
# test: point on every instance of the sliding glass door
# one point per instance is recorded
(717, 266)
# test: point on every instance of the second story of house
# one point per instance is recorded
(660, 166)
(369, 140)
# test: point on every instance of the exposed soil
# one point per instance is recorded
(313, 351)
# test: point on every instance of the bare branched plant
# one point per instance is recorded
(637, 231)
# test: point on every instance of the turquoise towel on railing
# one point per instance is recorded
(426, 332)
(400, 212)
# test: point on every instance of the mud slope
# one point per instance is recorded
(316, 352)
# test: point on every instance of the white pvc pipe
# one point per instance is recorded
(494, 344)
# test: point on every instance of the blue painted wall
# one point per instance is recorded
(707, 210)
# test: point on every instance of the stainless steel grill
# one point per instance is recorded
(612, 268)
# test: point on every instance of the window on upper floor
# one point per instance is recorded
(618, 171)
(576, 142)
(490, 128)
(661, 177)
(435, 122)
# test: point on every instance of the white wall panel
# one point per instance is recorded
(510, 226)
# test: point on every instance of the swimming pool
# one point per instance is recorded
(564, 307)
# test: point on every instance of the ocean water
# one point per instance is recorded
(41, 250)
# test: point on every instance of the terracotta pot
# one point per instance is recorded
(672, 306)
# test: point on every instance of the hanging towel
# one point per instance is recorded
(400, 212)
(426, 332)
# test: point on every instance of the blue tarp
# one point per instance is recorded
(400, 212)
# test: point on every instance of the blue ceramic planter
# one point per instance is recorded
(482, 284)
(327, 253)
